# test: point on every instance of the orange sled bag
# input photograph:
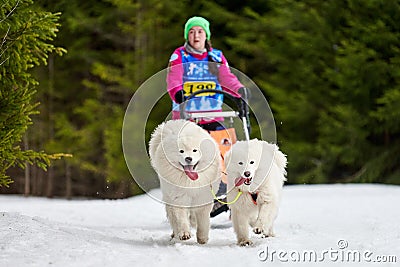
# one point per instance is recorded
(225, 139)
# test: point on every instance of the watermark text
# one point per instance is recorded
(339, 254)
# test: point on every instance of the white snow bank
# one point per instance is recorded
(334, 225)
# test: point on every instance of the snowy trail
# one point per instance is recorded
(313, 221)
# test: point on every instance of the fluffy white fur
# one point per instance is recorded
(187, 161)
(254, 167)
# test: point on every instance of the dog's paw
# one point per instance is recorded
(245, 243)
(267, 234)
(184, 236)
(202, 240)
(258, 230)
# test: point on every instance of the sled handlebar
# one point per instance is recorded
(241, 106)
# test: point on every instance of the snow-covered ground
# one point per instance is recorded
(335, 225)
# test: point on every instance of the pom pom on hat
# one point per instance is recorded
(197, 21)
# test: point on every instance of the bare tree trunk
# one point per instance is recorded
(34, 181)
(68, 177)
(141, 43)
(50, 172)
(138, 45)
(40, 174)
(27, 190)
(50, 182)
(121, 190)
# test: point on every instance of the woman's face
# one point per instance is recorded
(197, 38)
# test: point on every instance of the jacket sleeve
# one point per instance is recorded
(227, 79)
(175, 74)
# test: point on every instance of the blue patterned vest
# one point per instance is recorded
(196, 76)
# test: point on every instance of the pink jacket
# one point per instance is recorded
(227, 79)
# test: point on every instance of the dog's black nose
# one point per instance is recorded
(188, 159)
(247, 173)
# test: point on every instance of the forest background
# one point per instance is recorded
(329, 69)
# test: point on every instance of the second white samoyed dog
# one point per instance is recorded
(188, 163)
(256, 173)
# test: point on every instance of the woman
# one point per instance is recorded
(195, 66)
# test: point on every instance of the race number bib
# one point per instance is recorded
(192, 87)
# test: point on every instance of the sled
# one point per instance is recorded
(241, 112)
(225, 138)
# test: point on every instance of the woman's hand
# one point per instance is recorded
(179, 97)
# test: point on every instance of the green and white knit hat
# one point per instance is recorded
(197, 21)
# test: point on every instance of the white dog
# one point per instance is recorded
(187, 161)
(256, 173)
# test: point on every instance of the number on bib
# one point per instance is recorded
(192, 87)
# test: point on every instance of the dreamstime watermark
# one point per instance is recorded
(339, 254)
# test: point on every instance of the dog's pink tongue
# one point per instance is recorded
(190, 172)
(239, 181)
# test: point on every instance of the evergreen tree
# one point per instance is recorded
(330, 70)
(26, 33)
(114, 46)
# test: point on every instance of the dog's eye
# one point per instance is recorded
(194, 150)
(252, 162)
(181, 151)
(240, 163)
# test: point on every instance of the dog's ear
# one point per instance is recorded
(267, 155)
(155, 140)
(266, 160)
(280, 159)
(209, 151)
(228, 156)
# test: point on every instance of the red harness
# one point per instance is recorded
(254, 197)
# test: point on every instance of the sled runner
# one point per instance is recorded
(225, 137)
